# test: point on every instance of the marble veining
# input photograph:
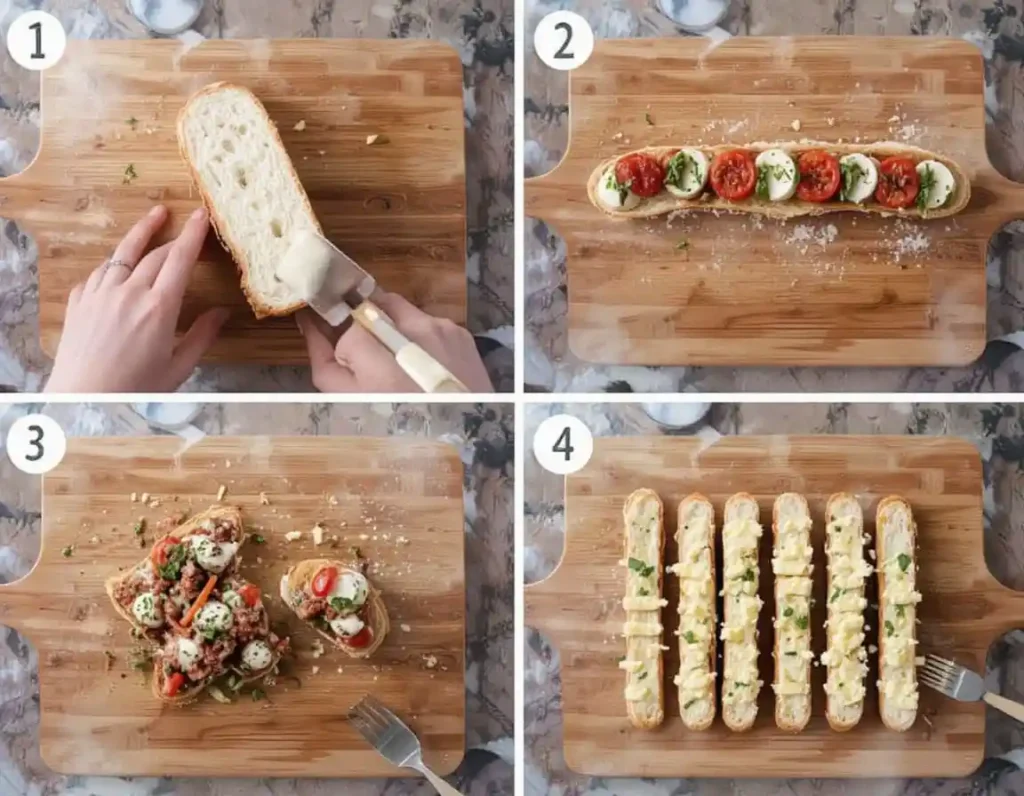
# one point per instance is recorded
(998, 433)
(995, 26)
(480, 30)
(483, 435)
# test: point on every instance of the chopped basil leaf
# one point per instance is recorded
(258, 694)
(175, 559)
(342, 604)
(643, 592)
(790, 653)
(803, 622)
(687, 705)
(690, 637)
(614, 185)
(678, 165)
(787, 612)
(648, 119)
(130, 174)
(683, 244)
(257, 539)
(140, 526)
(926, 188)
(837, 594)
(889, 629)
(852, 174)
(67, 551)
(901, 611)
(643, 676)
(642, 569)
(748, 575)
(904, 561)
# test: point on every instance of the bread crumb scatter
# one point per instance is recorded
(221, 492)
(300, 126)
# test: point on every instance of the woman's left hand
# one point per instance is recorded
(119, 330)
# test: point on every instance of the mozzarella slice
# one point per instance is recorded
(776, 172)
(213, 556)
(860, 177)
(613, 196)
(692, 168)
(257, 656)
(347, 626)
(188, 653)
(147, 610)
(214, 616)
(352, 588)
(937, 184)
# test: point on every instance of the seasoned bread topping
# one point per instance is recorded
(792, 566)
(741, 684)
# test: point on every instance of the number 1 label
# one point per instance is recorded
(36, 40)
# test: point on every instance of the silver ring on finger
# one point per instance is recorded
(112, 263)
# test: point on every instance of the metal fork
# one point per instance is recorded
(397, 744)
(955, 681)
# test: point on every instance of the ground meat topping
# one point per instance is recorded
(192, 580)
(308, 609)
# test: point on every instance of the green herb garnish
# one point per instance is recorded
(642, 676)
(257, 539)
(803, 622)
(140, 526)
(129, 174)
(924, 192)
(852, 174)
(343, 605)
(613, 184)
(642, 569)
(837, 594)
(787, 612)
(903, 560)
(889, 628)
(683, 244)
(790, 653)
(643, 592)
(748, 575)
(901, 611)
(133, 123)
(67, 551)
(258, 694)
(678, 166)
(690, 637)
(175, 559)
(687, 705)
(648, 119)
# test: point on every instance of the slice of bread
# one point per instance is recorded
(644, 517)
(250, 187)
(296, 583)
(895, 543)
(695, 540)
(741, 682)
(845, 657)
(792, 565)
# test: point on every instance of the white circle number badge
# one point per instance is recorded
(36, 40)
(36, 444)
(563, 444)
(563, 40)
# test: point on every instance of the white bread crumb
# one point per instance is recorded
(292, 536)
(221, 493)
(318, 535)
(300, 126)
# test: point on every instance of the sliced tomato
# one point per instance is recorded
(733, 174)
(819, 176)
(174, 684)
(323, 581)
(644, 175)
(898, 182)
(250, 593)
(161, 550)
(361, 639)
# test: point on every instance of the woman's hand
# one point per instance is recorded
(357, 362)
(119, 330)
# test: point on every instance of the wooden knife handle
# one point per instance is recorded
(429, 374)
(1008, 706)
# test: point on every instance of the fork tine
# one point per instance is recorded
(371, 714)
(940, 663)
(937, 683)
(364, 729)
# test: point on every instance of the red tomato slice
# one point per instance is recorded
(898, 182)
(323, 581)
(361, 639)
(819, 176)
(644, 175)
(733, 174)
(160, 549)
(174, 684)
(250, 593)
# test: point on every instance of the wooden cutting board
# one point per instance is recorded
(964, 609)
(399, 501)
(847, 289)
(398, 208)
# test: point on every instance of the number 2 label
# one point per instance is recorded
(563, 40)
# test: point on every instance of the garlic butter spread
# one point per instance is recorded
(792, 566)
(845, 656)
(695, 681)
(740, 682)
(642, 604)
(897, 616)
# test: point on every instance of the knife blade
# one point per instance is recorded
(326, 278)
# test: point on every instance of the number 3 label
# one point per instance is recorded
(563, 444)
(36, 444)
(36, 40)
(563, 40)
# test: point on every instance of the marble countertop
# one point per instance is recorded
(481, 32)
(483, 435)
(995, 26)
(998, 433)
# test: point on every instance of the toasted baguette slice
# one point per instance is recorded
(250, 187)
(741, 682)
(664, 202)
(845, 657)
(295, 588)
(695, 540)
(895, 543)
(144, 569)
(793, 567)
(644, 517)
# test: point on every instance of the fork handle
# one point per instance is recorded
(1008, 706)
(439, 784)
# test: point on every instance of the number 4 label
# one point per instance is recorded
(36, 40)
(563, 40)
(36, 444)
(563, 444)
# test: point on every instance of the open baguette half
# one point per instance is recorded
(664, 202)
(695, 540)
(144, 574)
(792, 565)
(741, 682)
(296, 591)
(845, 657)
(895, 545)
(249, 184)
(644, 517)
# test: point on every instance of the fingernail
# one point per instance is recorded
(157, 211)
(200, 214)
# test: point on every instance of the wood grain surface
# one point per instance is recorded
(99, 717)
(398, 208)
(964, 608)
(705, 289)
